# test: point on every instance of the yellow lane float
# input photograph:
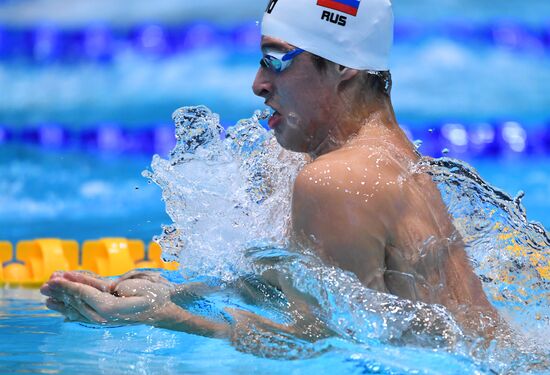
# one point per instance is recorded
(34, 261)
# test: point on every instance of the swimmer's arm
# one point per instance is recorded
(144, 298)
(135, 298)
(243, 323)
(176, 318)
(305, 323)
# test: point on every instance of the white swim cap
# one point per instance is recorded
(357, 34)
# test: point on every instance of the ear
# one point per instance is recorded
(345, 75)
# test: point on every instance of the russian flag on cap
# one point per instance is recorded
(345, 6)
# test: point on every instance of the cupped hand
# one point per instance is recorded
(136, 297)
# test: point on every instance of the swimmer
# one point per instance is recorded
(357, 203)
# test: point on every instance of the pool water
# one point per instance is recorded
(49, 189)
(41, 342)
(45, 344)
(46, 192)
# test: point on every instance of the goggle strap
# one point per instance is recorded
(292, 54)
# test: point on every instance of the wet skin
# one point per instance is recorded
(357, 203)
(301, 100)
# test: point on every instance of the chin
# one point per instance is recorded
(282, 142)
(289, 140)
(291, 147)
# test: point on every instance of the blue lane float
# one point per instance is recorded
(489, 139)
(101, 43)
(507, 138)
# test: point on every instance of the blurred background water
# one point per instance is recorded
(87, 88)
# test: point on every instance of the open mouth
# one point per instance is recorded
(274, 120)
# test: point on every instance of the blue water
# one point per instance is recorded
(40, 342)
(81, 195)
(46, 192)
(434, 79)
(364, 322)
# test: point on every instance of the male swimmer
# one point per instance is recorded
(325, 74)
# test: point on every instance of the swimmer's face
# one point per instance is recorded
(302, 97)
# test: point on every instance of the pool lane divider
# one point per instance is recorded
(106, 138)
(45, 44)
(460, 139)
(32, 262)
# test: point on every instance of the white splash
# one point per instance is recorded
(223, 193)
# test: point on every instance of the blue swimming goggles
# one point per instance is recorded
(279, 61)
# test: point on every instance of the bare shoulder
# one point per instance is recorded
(352, 192)
(343, 204)
(364, 177)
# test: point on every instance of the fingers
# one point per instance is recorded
(97, 306)
(133, 274)
(152, 276)
(78, 300)
(75, 300)
(80, 313)
(87, 300)
(84, 310)
(92, 296)
(53, 304)
(46, 290)
(90, 279)
(82, 277)
(67, 311)
(57, 274)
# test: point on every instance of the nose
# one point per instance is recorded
(262, 86)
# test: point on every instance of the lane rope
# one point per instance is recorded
(436, 139)
(101, 43)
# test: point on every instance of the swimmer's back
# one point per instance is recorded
(341, 207)
(364, 209)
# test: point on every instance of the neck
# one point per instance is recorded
(376, 115)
